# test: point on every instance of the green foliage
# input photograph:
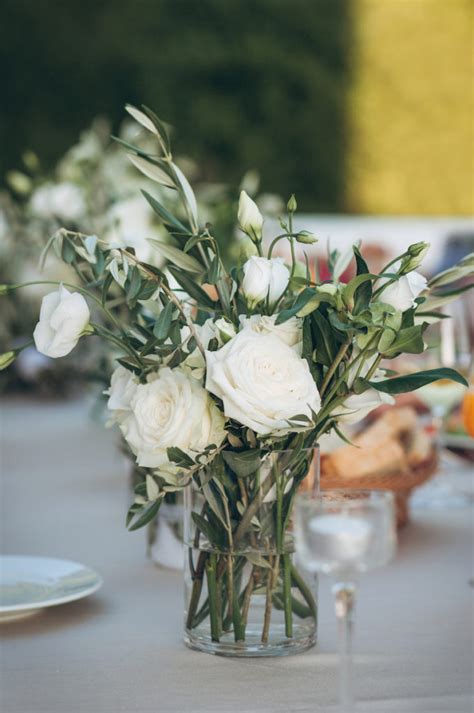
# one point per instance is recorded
(260, 84)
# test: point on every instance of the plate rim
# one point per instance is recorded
(5, 609)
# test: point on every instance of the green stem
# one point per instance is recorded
(211, 567)
(332, 369)
(287, 595)
(252, 509)
(234, 608)
(196, 590)
(304, 589)
(268, 605)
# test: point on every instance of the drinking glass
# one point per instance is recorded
(343, 533)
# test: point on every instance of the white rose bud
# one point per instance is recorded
(171, 410)
(123, 385)
(290, 332)
(63, 318)
(264, 277)
(262, 382)
(249, 217)
(401, 293)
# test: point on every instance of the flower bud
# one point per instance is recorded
(262, 278)
(292, 205)
(415, 255)
(6, 359)
(305, 238)
(249, 217)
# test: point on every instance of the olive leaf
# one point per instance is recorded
(177, 257)
(151, 170)
(411, 382)
(245, 463)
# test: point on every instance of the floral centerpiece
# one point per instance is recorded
(225, 381)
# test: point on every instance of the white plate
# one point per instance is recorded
(28, 584)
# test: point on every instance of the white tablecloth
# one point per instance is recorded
(65, 494)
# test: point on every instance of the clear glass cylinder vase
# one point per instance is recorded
(244, 593)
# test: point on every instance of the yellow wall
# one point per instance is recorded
(411, 107)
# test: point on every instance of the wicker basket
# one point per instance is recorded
(401, 484)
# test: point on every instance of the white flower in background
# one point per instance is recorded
(131, 222)
(64, 316)
(358, 406)
(401, 293)
(290, 332)
(123, 385)
(64, 201)
(171, 410)
(262, 382)
(264, 277)
(249, 217)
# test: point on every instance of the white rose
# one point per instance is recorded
(358, 406)
(401, 294)
(123, 385)
(249, 217)
(171, 410)
(264, 277)
(64, 316)
(290, 332)
(64, 201)
(261, 381)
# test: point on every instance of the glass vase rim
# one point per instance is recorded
(359, 496)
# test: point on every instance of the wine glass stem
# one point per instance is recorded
(344, 599)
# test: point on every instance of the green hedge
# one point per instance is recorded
(246, 84)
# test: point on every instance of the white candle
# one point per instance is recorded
(340, 538)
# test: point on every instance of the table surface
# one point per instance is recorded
(65, 494)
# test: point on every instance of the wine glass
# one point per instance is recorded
(344, 533)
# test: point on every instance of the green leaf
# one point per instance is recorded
(134, 283)
(213, 534)
(303, 298)
(176, 455)
(167, 218)
(439, 299)
(363, 294)
(160, 127)
(141, 118)
(258, 560)
(357, 282)
(151, 170)
(163, 323)
(68, 252)
(177, 256)
(146, 514)
(323, 339)
(187, 193)
(464, 268)
(213, 502)
(213, 271)
(408, 341)
(411, 382)
(245, 463)
(193, 289)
